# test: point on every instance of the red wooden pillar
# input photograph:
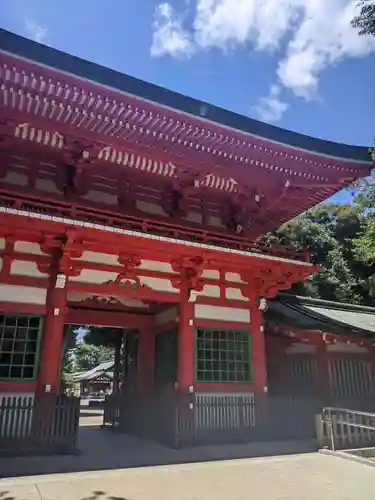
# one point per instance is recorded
(186, 340)
(259, 363)
(258, 350)
(323, 375)
(52, 340)
(146, 358)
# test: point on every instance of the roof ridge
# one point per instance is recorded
(326, 303)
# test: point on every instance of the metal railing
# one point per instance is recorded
(341, 428)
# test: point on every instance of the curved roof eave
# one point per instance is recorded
(61, 61)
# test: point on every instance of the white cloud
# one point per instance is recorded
(271, 108)
(309, 35)
(169, 37)
(35, 31)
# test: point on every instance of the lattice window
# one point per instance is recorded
(223, 356)
(19, 346)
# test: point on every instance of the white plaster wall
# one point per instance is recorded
(23, 294)
(195, 217)
(27, 247)
(300, 348)
(346, 348)
(47, 185)
(158, 284)
(214, 221)
(210, 291)
(233, 277)
(211, 274)
(2, 243)
(91, 276)
(23, 268)
(203, 311)
(235, 294)
(99, 258)
(16, 179)
(150, 208)
(101, 197)
(154, 265)
(1, 264)
(166, 316)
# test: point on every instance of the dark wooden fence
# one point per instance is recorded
(177, 420)
(44, 424)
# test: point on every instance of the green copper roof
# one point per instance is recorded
(316, 314)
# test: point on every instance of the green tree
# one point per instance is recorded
(103, 336)
(88, 356)
(365, 244)
(329, 233)
(364, 21)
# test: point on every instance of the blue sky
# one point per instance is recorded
(295, 63)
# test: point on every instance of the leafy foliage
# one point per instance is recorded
(88, 356)
(364, 22)
(330, 233)
(103, 336)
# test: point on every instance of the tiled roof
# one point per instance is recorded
(316, 314)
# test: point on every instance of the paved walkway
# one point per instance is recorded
(104, 449)
(307, 477)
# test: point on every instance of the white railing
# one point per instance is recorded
(340, 428)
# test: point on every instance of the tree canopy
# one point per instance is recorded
(333, 235)
(85, 356)
(364, 21)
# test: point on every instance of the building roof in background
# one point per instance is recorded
(317, 314)
(96, 372)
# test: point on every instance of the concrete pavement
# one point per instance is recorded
(308, 477)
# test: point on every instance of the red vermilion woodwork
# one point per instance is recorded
(22, 308)
(186, 340)
(132, 223)
(87, 142)
(115, 319)
(258, 348)
(26, 387)
(52, 341)
(314, 337)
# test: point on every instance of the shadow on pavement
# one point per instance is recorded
(5, 495)
(106, 449)
(96, 495)
(101, 495)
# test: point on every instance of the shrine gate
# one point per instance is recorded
(127, 205)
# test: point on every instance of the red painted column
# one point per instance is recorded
(52, 340)
(186, 347)
(258, 349)
(146, 358)
(324, 379)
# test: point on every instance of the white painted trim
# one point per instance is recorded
(222, 313)
(343, 347)
(110, 229)
(184, 113)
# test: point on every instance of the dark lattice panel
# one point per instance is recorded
(19, 346)
(223, 356)
(166, 357)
